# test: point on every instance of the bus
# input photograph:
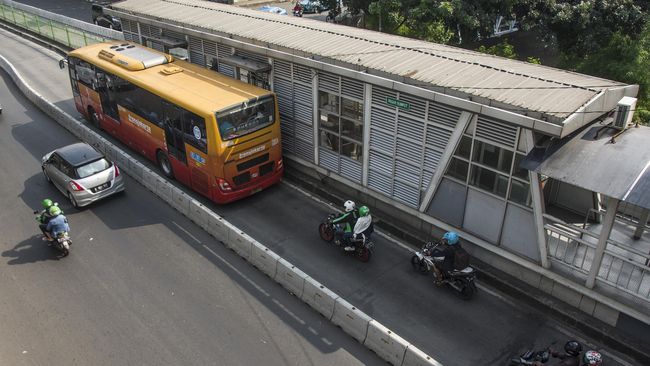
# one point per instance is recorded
(218, 135)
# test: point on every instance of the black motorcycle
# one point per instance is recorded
(462, 281)
(333, 233)
(530, 357)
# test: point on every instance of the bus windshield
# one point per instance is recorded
(246, 118)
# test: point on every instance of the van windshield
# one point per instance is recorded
(246, 118)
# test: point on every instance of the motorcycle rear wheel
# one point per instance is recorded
(326, 232)
(467, 289)
(363, 254)
(419, 265)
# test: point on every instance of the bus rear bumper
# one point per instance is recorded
(269, 180)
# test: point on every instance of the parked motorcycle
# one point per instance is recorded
(333, 233)
(462, 281)
(62, 242)
(530, 357)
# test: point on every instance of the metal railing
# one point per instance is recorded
(67, 31)
(623, 266)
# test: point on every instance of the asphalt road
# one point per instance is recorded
(142, 285)
(150, 256)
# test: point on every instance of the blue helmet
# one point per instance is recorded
(451, 237)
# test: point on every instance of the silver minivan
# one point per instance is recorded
(82, 173)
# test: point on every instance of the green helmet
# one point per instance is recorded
(54, 210)
(47, 203)
(364, 211)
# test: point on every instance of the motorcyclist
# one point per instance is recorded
(449, 244)
(44, 215)
(363, 226)
(297, 10)
(347, 220)
(58, 224)
(570, 357)
(592, 358)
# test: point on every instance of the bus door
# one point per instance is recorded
(174, 140)
(196, 141)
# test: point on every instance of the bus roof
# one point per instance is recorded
(190, 86)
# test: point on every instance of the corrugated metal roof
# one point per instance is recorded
(524, 86)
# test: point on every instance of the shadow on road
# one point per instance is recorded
(31, 250)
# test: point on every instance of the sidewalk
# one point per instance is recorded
(56, 88)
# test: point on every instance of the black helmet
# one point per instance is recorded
(573, 348)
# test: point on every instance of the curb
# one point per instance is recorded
(369, 332)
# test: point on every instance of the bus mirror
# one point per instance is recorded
(62, 63)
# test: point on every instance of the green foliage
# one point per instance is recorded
(534, 60)
(503, 49)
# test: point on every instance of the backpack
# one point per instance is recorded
(461, 258)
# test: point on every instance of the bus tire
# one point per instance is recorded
(164, 164)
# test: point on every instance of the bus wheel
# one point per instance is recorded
(93, 118)
(164, 164)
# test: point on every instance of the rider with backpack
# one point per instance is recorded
(455, 257)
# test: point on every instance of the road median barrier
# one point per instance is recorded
(352, 320)
(290, 277)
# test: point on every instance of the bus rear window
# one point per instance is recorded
(246, 118)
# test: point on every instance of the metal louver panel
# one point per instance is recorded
(197, 58)
(426, 179)
(380, 118)
(407, 172)
(252, 56)
(196, 44)
(304, 150)
(351, 169)
(437, 137)
(283, 87)
(328, 159)
(227, 70)
(303, 113)
(406, 149)
(176, 35)
(495, 131)
(417, 108)
(304, 132)
(210, 48)
(156, 31)
(223, 50)
(431, 159)
(380, 182)
(380, 163)
(129, 26)
(380, 94)
(302, 94)
(285, 106)
(411, 128)
(145, 30)
(352, 88)
(329, 82)
(157, 46)
(130, 37)
(382, 141)
(288, 125)
(443, 114)
(288, 143)
(302, 73)
(406, 193)
(282, 69)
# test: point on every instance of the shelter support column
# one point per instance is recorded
(643, 219)
(537, 199)
(608, 223)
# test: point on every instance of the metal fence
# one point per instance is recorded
(67, 31)
(624, 266)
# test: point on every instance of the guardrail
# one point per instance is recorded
(67, 31)
(623, 267)
(372, 334)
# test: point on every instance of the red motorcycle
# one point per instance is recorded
(333, 233)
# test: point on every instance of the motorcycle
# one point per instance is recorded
(62, 242)
(333, 233)
(530, 357)
(297, 13)
(462, 281)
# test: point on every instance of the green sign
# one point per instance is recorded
(398, 103)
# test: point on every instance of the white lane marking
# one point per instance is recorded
(186, 232)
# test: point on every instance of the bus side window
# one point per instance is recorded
(194, 131)
(86, 73)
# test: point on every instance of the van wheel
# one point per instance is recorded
(164, 164)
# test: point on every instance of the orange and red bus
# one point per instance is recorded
(213, 133)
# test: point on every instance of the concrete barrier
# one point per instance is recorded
(135, 170)
(319, 297)
(217, 226)
(264, 259)
(240, 242)
(352, 320)
(180, 201)
(163, 189)
(197, 213)
(291, 278)
(385, 343)
(149, 180)
(415, 357)
(122, 160)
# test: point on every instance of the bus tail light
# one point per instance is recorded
(279, 165)
(75, 186)
(223, 185)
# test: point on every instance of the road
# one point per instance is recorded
(485, 331)
(142, 285)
